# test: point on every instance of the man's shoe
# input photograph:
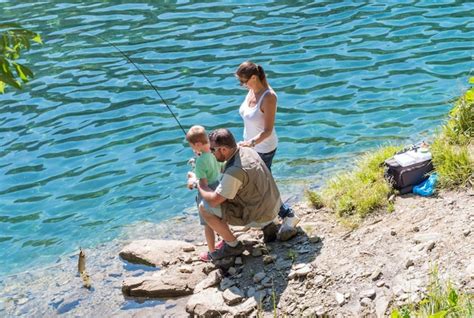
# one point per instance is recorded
(228, 251)
(270, 232)
(292, 220)
(286, 232)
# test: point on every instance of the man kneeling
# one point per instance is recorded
(247, 194)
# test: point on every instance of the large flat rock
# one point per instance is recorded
(170, 283)
(153, 252)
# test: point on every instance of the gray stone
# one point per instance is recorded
(268, 259)
(256, 252)
(282, 264)
(213, 279)
(227, 283)
(376, 275)
(152, 252)
(232, 296)
(258, 277)
(188, 249)
(251, 292)
(302, 272)
(210, 303)
(340, 299)
(238, 261)
(430, 246)
(232, 271)
(366, 302)
(368, 293)
(186, 269)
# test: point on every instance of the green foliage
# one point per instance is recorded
(14, 39)
(452, 147)
(362, 191)
(442, 300)
(315, 199)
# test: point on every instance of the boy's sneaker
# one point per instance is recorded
(205, 257)
(227, 251)
(286, 232)
(270, 232)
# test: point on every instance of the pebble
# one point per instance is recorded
(251, 292)
(466, 232)
(189, 249)
(256, 252)
(268, 259)
(369, 293)
(409, 263)
(393, 233)
(238, 261)
(375, 275)
(258, 277)
(186, 269)
(232, 296)
(365, 302)
(340, 299)
(302, 272)
(227, 283)
(430, 246)
(232, 271)
(380, 283)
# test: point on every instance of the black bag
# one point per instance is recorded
(404, 178)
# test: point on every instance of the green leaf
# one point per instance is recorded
(471, 80)
(2, 87)
(20, 72)
(37, 39)
(10, 81)
(453, 298)
(395, 314)
(439, 314)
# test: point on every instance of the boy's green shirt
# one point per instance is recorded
(207, 167)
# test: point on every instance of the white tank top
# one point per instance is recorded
(254, 124)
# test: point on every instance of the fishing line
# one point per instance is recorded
(144, 75)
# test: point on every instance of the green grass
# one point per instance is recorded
(315, 199)
(452, 148)
(361, 191)
(442, 300)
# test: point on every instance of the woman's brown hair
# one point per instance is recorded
(248, 69)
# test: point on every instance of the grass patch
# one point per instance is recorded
(359, 192)
(453, 145)
(314, 199)
(442, 300)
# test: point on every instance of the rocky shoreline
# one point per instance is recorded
(327, 270)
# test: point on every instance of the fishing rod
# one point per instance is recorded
(144, 75)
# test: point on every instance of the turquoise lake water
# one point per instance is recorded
(88, 147)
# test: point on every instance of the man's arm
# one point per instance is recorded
(213, 198)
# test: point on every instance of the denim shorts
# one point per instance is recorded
(268, 158)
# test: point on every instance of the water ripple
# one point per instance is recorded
(88, 147)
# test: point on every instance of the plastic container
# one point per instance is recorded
(427, 187)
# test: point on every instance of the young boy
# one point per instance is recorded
(207, 171)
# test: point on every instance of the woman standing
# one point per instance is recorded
(258, 113)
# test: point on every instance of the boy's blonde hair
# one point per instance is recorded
(197, 134)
